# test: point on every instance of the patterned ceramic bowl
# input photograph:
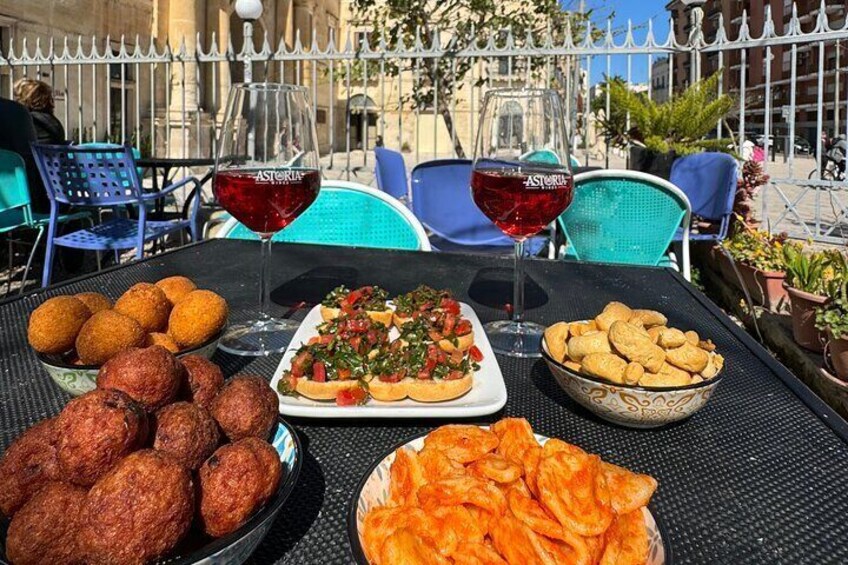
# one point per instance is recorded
(235, 548)
(373, 491)
(631, 405)
(79, 379)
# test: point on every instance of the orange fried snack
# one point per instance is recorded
(473, 496)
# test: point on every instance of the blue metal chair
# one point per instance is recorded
(16, 210)
(347, 213)
(390, 173)
(626, 217)
(709, 182)
(441, 199)
(102, 177)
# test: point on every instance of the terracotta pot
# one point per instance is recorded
(773, 293)
(839, 355)
(804, 329)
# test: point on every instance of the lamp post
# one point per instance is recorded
(249, 11)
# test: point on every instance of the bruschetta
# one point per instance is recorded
(421, 300)
(413, 367)
(368, 299)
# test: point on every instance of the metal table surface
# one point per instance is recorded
(758, 476)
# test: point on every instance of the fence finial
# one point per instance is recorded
(822, 24)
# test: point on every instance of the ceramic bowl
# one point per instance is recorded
(79, 379)
(631, 406)
(234, 548)
(373, 491)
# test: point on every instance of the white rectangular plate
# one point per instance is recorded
(488, 394)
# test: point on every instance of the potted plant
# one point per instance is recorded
(832, 318)
(758, 256)
(808, 277)
(655, 133)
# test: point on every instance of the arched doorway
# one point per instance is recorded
(362, 114)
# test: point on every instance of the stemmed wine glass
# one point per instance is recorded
(521, 180)
(266, 174)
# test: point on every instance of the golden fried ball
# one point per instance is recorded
(198, 317)
(105, 334)
(164, 340)
(55, 324)
(176, 288)
(95, 301)
(146, 304)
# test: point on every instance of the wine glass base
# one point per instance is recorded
(259, 337)
(515, 339)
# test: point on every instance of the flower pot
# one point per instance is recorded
(773, 294)
(804, 329)
(838, 355)
(657, 164)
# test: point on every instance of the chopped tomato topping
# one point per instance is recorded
(344, 374)
(450, 322)
(424, 374)
(463, 327)
(300, 362)
(434, 335)
(454, 375)
(292, 382)
(449, 305)
(354, 296)
(319, 372)
(351, 397)
(393, 378)
(456, 357)
(475, 353)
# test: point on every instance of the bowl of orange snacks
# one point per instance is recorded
(502, 494)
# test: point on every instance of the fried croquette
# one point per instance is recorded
(98, 429)
(54, 326)
(106, 334)
(197, 318)
(186, 431)
(138, 511)
(151, 376)
(166, 341)
(176, 288)
(27, 465)
(245, 407)
(45, 530)
(147, 304)
(95, 301)
(235, 482)
(204, 380)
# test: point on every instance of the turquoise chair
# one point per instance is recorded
(16, 210)
(350, 214)
(626, 217)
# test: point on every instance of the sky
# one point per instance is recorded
(637, 11)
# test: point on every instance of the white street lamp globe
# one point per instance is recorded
(249, 10)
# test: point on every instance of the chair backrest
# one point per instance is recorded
(390, 172)
(441, 199)
(575, 162)
(709, 182)
(14, 190)
(88, 176)
(623, 217)
(348, 213)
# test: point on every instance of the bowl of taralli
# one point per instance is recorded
(630, 367)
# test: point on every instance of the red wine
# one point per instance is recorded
(522, 201)
(267, 200)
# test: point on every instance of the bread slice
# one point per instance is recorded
(323, 391)
(420, 390)
(463, 343)
(382, 316)
(399, 320)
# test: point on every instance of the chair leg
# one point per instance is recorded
(30, 258)
(48, 262)
(9, 271)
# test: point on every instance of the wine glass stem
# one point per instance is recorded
(265, 280)
(518, 286)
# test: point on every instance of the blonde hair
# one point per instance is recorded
(34, 94)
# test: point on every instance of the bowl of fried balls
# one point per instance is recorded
(630, 367)
(74, 335)
(163, 460)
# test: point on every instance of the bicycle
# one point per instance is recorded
(832, 171)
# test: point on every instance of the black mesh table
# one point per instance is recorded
(760, 475)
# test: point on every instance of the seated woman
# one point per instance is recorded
(37, 96)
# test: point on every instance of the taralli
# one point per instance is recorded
(491, 502)
(633, 347)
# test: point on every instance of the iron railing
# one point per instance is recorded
(168, 99)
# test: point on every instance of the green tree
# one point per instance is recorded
(401, 22)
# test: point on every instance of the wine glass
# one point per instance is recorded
(266, 174)
(521, 180)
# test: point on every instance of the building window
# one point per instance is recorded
(321, 115)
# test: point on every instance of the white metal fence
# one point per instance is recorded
(167, 99)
